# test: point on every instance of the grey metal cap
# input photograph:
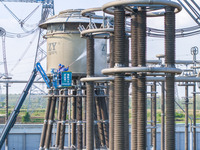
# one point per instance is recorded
(68, 16)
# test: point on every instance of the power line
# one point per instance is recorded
(24, 53)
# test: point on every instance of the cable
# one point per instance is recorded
(24, 53)
(20, 35)
(18, 20)
(22, 22)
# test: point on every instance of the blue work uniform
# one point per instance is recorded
(59, 75)
(60, 71)
(64, 69)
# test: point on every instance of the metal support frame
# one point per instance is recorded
(186, 116)
(47, 10)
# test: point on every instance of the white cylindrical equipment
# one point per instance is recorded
(65, 46)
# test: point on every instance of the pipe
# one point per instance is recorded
(194, 117)
(18, 81)
(141, 69)
(191, 137)
(151, 110)
(74, 99)
(69, 125)
(163, 115)
(154, 116)
(186, 116)
(6, 118)
(170, 62)
(84, 117)
(177, 79)
(149, 79)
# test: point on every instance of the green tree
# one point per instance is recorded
(3, 104)
(26, 117)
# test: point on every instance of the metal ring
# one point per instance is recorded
(90, 13)
(96, 79)
(97, 31)
(152, 4)
(111, 71)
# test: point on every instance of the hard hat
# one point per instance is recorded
(60, 65)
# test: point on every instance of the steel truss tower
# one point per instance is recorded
(47, 10)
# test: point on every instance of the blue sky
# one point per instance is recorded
(15, 47)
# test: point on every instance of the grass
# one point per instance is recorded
(179, 116)
(38, 115)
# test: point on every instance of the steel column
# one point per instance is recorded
(6, 118)
(74, 115)
(163, 116)
(194, 117)
(154, 120)
(186, 116)
(84, 118)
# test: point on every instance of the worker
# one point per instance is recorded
(59, 68)
(63, 68)
(59, 73)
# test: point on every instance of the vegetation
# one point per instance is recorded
(26, 118)
(35, 111)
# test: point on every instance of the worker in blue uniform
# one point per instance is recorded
(59, 73)
(63, 68)
(59, 67)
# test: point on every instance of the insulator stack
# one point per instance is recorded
(134, 62)
(90, 95)
(170, 62)
(119, 41)
(94, 125)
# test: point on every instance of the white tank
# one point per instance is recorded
(65, 46)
